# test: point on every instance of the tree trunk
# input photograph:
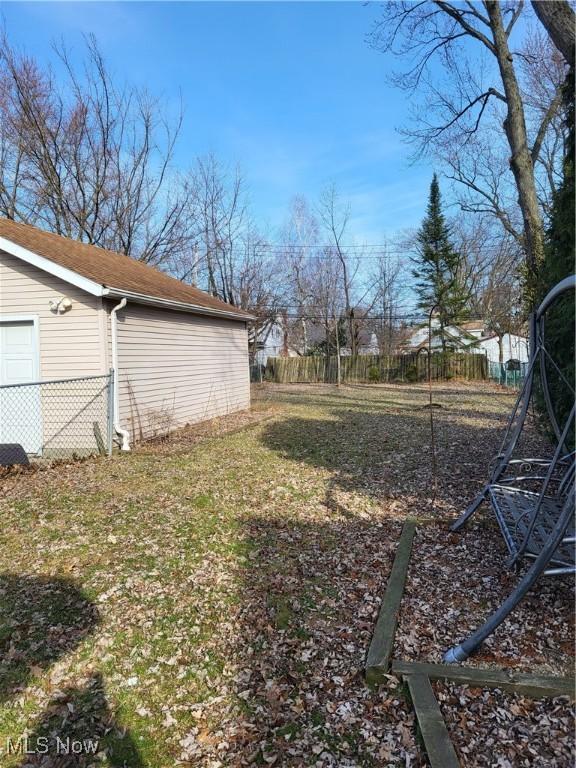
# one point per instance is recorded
(520, 160)
(255, 341)
(501, 358)
(349, 311)
(557, 16)
(338, 377)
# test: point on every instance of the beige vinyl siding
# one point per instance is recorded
(177, 368)
(70, 345)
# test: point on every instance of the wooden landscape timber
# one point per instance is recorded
(533, 686)
(439, 748)
(380, 651)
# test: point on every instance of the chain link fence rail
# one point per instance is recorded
(58, 419)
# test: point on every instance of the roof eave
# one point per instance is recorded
(181, 306)
(46, 265)
(97, 289)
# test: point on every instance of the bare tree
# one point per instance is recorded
(324, 285)
(492, 264)
(300, 240)
(89, 160)
(543, 72)
(385, 279)
(500, 300)
(480, 164)
(315, 281)
(472, 91)
(231, 259)
(260, 288)
(335, 218)
(222, 221)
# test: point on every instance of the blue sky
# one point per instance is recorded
(291, 91)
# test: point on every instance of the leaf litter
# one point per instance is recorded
(235, 575)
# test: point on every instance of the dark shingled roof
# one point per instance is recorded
(111, 270)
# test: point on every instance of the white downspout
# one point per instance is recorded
(124, 434)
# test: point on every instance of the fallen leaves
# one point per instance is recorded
(493, 728)
(238, 575)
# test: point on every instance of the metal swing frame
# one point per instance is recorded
(532, 498)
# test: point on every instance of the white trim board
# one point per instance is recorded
(68, 275)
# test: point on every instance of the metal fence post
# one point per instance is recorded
(110, 424)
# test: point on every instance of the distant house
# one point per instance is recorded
(469, 337)
(514, 347)
(367, 344)
(74, 311)
(272, 341)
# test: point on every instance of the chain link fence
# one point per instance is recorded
(58, 419)
(508, 375)
(257, 371)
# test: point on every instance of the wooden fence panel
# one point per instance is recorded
(317, 369)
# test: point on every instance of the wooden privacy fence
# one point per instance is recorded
(376, 368)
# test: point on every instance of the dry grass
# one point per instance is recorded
(209, 601)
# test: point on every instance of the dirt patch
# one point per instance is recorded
(189, 436)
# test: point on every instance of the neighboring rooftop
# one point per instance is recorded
(113, 271)
(472, 325)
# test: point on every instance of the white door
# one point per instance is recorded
(20, 411)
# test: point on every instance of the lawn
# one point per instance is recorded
(209, 601)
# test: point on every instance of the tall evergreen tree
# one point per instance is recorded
(438, 272)
(558, 264)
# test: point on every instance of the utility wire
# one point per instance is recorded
(350, 246)
(393, 315)
(364, 318)
(330, 249)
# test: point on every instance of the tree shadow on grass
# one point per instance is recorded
(76, 726)
(42, 619)
(387, 456)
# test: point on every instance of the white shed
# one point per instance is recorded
(71, 311)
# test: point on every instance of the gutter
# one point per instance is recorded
(181, 306)
(124, 434)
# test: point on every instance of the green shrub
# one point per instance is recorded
(373, 373)
(411, 374)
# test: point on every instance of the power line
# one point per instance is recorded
(360, 252)
(362, 318)
(331, 246)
